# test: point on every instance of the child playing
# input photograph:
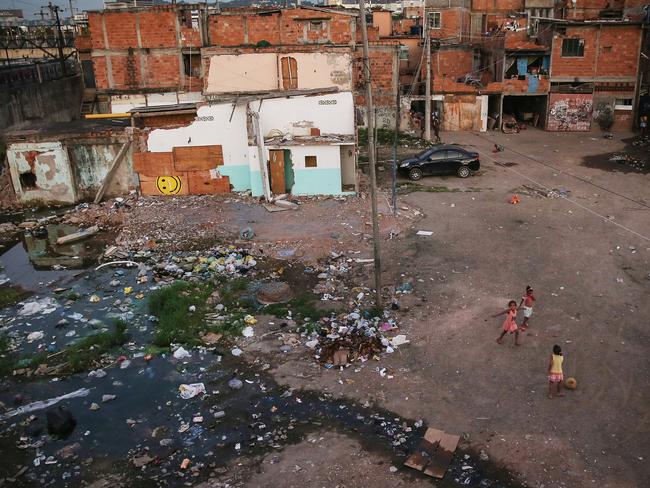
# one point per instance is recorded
(555, 374)
(527, 301)
(509, 325)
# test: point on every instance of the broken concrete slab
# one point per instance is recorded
(77, 236)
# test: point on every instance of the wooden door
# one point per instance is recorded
(289, 73)
(276, 171)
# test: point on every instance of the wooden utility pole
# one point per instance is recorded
(371, 151)
(427, 88)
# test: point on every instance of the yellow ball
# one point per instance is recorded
(571, 383)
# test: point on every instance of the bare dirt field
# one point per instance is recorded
(587, 258)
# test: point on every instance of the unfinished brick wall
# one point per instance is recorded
(382, 65)
(452, 63)
(157, 29)
(583, 66)
(403, 26)
(586, 9)
(498, 5)
(455, 23)
(238, 27)
(610, 51)
(619, 51)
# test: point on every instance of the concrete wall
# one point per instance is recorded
(257, 72)
(47, 165)
(332, 114)
(54, 101)
(66, 171)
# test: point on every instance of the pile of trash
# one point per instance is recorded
(220, 260)
(631, 161)
(353, 337)
(641, 141)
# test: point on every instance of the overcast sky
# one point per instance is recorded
(31, 7)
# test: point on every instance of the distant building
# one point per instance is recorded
(11, 16)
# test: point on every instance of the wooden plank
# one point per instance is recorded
(440, 461)
(111, 172)
(77, 236)
(276, 170)
(168, 185)
(201, 183)
(153, 164)
(197, 158)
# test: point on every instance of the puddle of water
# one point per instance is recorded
(21, 271)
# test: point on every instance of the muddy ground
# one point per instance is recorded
(580, 237)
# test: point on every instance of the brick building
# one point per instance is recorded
(156, 55)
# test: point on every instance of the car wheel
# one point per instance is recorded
(464, 171)
(415, 174)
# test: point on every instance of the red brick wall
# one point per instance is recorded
(101, 77)
(452, 63)
(574, 66)
(619, 51)
(381, 66)
(497, 5)
(162, 71)
(281, 28)
(569, 112)
(95, 28)
(454, 22)
(120, 28)
(157, 29)
(226, 30)
(619, 47)
(264, 28)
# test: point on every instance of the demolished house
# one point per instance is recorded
(306, 143)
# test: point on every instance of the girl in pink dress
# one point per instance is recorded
(510, 324)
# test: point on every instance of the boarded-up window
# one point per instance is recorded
(289, 73)
(310, 162)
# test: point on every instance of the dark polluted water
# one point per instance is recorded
(133, 425)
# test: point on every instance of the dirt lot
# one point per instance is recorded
(591, 279)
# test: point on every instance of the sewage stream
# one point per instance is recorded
(147, 422)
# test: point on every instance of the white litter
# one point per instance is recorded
(42, 306)
(181, 353)
(35, 336)
(248, 332)
(424, 233)
(237, 352)
(40, 405)
(191, 390)
(311, 344)
(398, 340)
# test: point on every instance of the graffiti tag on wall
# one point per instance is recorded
(570, 112)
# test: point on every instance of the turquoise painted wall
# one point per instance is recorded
(240, 176)
(256, 184)
(317, 181)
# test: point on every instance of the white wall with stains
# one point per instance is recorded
(332, 114)
(256, 72)
(48, 163)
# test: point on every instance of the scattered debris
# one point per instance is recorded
(191, 390)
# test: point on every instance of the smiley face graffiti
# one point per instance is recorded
(169, 185)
